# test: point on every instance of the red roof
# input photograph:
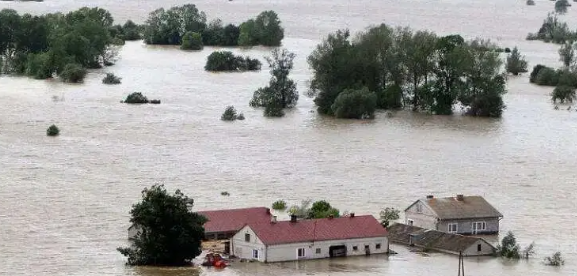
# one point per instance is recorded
(232, 220)
(343, 228)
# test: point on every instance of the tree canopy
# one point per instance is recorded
(168, 27)
(169, 232)
(281, 91)
(406, 68)
(41, 46)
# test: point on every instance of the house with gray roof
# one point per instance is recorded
(428, 239)
(467, 215)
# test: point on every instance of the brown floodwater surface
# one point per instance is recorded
(65, 200)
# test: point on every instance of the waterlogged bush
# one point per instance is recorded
(553, 30)
(136, 98)
(227, 61)
(555, 260)
(73, 73)
(530, 3)
(516, 63)
(279, 205)
(563, 94)
(111, 79)
(355, 104)
(547, 76)
(273, 111)
(229, 114)
(535, 72)
(52, 131)
(191, 41)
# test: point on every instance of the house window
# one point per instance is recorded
(410, 222)
(300, 253)
(255, 254)
(355, 248)
(378, 246)
(318, 251)
(247, 237)
(479, 226)
(453, 228)
(479, 247)
(419, 208)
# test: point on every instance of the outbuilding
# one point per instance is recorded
(310, 239)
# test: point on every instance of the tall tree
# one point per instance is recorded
(567, 54)
(516, 63)
(281, 92)
(169, 232)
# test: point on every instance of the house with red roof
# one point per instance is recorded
(223, 224)
(278, 241)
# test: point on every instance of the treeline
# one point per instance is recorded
(168, 27)
(62, 44)
(553, 30)
(386, 68)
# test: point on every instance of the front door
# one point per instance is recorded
(475, 228)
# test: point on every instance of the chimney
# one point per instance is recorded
(293, 218)
(273, 219)
(430, 197)
(352, 215)
(268, 211)
(460, 197)
(331, 216)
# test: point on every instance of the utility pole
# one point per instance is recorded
(461, 264)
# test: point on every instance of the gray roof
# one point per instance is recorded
(470, 207)
(436, 240)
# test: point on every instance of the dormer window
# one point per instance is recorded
(419, 208)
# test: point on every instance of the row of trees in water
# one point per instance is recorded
(67, 44)
(392, 68)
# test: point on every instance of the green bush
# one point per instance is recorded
(547, 76)
(73, 73)
(563, 94)
(229, 114)
(191, 41)
(273, 111)
(227, 61)
(53, 131)
(136, 98)
(38, 66)
(536, 69)
(355, 104)
(111, 79)
(279, 205)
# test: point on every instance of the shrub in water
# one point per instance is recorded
(136, 98)
(73, 73)
(229, 114)
(111, 79)
(279, 205)
(52, 131)
(355, 104)
(191, 41)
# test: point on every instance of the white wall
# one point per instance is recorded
(242, 249)
(288, 252)
(425, 219)
(486, 249)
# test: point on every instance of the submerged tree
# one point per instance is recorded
(561, 6)
(169, 232)
(281, 91)
(389, 214)
(516, 63)
(404, 68)
(563, 94)
(555, 260)
(322, 209)
(567, 54)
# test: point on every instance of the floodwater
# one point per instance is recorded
(65, 200)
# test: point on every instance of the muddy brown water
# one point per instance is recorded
(65, 200)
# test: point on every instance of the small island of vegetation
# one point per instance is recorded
(228, 62)
(393, 68)
(138, 98)
(53, 131)
(181, 24)
(111, 79)
(230, 114)
(58, 44)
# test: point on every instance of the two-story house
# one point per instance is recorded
(461, 215)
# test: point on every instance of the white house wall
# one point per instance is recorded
(486, 249)
(466, 226)
(288, 252)
(242, 249)
(425, 219)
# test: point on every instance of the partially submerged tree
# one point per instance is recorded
(355, 104)
(110, 78)
(555, 260)
(509, 248)
(170, 234)
(322, 209)
(388, 215)
(561, 6)
(563, 94)
(73, 73)
(279, 205)
(226, 61)
(191, 41)
(281, 91)
(567, 54)
(516, 63)
(52, 131)
(230, 114)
